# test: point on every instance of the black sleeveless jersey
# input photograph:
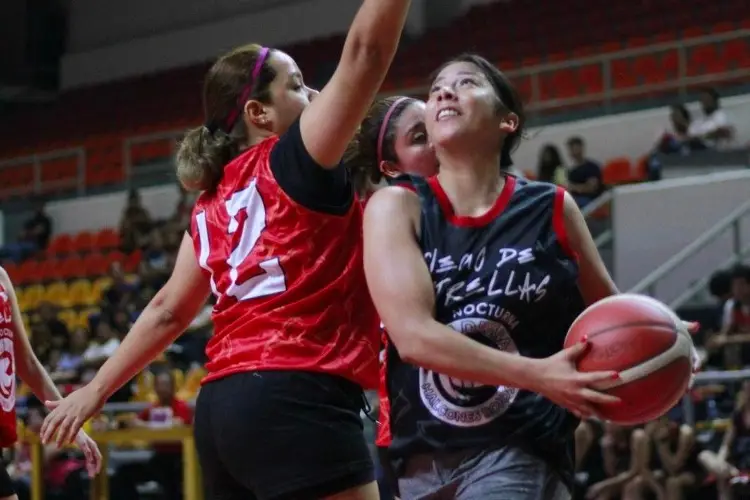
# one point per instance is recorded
(508, 280)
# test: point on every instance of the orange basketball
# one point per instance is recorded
(645, 342)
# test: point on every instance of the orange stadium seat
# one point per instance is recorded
(83, 242)
(106, 239)
(618, 171)
(60, 245)
(72, 267)
(96, 264)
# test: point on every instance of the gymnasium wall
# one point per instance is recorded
(111, 39)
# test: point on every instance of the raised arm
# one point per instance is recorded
(163, 320)
(330, 121)
(402, 290)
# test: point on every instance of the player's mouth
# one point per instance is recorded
(447, 114)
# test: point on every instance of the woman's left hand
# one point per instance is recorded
(91, 452)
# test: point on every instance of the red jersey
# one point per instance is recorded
(289, 280)
(8, 434)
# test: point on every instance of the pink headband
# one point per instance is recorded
(384, 126)
(247, 90)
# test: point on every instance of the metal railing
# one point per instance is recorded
(731, 222)
(680, 84)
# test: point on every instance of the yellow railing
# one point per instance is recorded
(191, 475)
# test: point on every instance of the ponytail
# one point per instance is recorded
(201, 157)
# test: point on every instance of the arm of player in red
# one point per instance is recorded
(160, 323)
(402, 289)
(32, 372)
(594, 280)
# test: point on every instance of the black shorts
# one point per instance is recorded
(6, 484)
(281, 435)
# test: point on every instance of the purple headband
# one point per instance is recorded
(384, 126)
(247, 90)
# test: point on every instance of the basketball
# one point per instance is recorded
(645, 342)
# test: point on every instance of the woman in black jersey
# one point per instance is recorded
(501, 261)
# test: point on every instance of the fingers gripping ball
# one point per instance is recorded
(647, 344)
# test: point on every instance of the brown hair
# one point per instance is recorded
(205, 150)
(361, 156)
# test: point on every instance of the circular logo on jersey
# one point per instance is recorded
(7, 376)
(468, 404)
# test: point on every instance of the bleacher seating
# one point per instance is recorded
(539, 33)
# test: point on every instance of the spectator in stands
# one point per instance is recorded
(156, 263)
(34, 236)
(675, 456)
(713, 128)
(734, 454)
(625, 453)
(66, 370)
(168, 411)
(180, 220)
(676, 139)
(135, 225)
(734, 337)
(551, 168)
(589, 468)
(584, 175)
(120, 292)
(103, 346)
(48, 316)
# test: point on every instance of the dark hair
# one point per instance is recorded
(682, 111)
(361, 156)
(575, 141)
(205, 150)
(741, 272)
(710, 91)
(720, 283)
(546, 168)
(506, 93)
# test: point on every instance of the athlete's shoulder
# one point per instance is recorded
(391, 201)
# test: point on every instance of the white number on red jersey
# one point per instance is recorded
(270, 277)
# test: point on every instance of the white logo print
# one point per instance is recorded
(7, 371)
(468, 404)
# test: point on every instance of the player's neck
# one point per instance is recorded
(472, 184)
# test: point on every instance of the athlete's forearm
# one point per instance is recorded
(154, 330)
(439, 348)
(33, 374)
(376, 29)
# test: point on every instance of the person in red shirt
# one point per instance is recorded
(18, 359)
(168, 411)
(277, 236)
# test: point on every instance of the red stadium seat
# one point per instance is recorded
(83, 242)
(60, 245)
(106, 239)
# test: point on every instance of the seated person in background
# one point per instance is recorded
(713, 128)
(589, 467)
(734, 455)
(551, 168)
(674, 465)
(584, 176)
(733, 340)
(168, 411)
(135, 225)
(34, 237)
(675, 139)
(625, 453)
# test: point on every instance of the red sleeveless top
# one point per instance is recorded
(8, 433)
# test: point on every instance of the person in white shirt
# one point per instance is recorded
(713, 127)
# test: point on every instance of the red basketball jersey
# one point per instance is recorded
(289, 281)
(8, 433)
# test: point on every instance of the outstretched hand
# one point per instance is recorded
(68, 415)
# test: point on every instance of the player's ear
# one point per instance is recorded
(256, 113)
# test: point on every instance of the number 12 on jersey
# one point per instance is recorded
(247, 280)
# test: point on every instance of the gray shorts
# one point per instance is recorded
(506, 473)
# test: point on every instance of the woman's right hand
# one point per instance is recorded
(560, 382)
